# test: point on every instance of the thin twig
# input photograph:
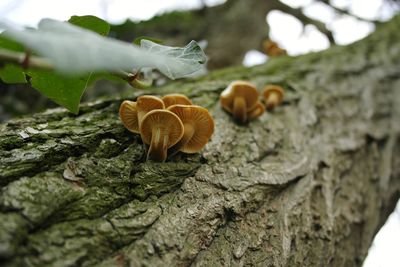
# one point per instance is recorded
(26, 60)
(20, 59)
(347, 12)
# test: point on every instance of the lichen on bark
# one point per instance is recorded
(305, 185)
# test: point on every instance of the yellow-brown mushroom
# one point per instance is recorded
(147, 103)
(129, 116)
(239, 98)
(176, 99)
(272, 49)
(198, 127)
(161, 129)
(273, 96)
(256, 112)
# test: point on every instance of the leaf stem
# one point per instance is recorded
(26, 60)
(21, 59)
(133, 79)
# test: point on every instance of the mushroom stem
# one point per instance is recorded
(239, 109)
(272, 101)
(188, 131)
(158, 149)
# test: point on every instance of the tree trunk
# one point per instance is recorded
(308, 184)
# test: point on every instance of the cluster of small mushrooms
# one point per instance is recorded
(169, 125)
(172, 123)
(241, 99)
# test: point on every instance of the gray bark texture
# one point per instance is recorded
(308, 184)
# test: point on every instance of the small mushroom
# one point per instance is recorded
(198, 127)
(129, 116)
(239, 98)
(256, 112)
(176, 99)
(272, 49)
(146, 103)
(161, 129)
(273, 96)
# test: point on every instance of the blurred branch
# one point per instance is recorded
(347, 12)
(298, 13)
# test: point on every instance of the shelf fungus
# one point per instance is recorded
(239, 98)
(129, 116)
(198, 127)
(175, 99)
(273, 96)
(161, 129)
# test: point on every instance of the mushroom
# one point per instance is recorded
(129, 116)
(256, 112)
(175, 99)
(161, 129)
(146, 103)
(272, 49)
(273, 96)
(239, 98)
(198, 127)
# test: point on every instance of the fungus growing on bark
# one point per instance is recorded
(198, 127)
(129, 116)
(161, 129)
(239, 98)
(176, 99)
(273, 96)
(272, 49)
(147, 103)
(256, 112)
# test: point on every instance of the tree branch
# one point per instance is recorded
(347, 12)
(298, 13)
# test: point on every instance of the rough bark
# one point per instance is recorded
(306, 185)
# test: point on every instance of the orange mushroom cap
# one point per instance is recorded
(273, 95)
(198, 127)
(256, 112)
(161, 129)
(271, 48)
(146, 103)
(238, 98)
(176, 99)
(242, 89)
(129, 116)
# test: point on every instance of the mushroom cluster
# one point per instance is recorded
(241, 99)
(167, 125)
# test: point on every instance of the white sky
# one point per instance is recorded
(286, 30)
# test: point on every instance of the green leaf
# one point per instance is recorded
(154, 40)
(65, 91)
(11, 73)
(74, 50)
(9, 44)
(91, 23)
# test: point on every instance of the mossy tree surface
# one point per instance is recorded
(306, 185)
